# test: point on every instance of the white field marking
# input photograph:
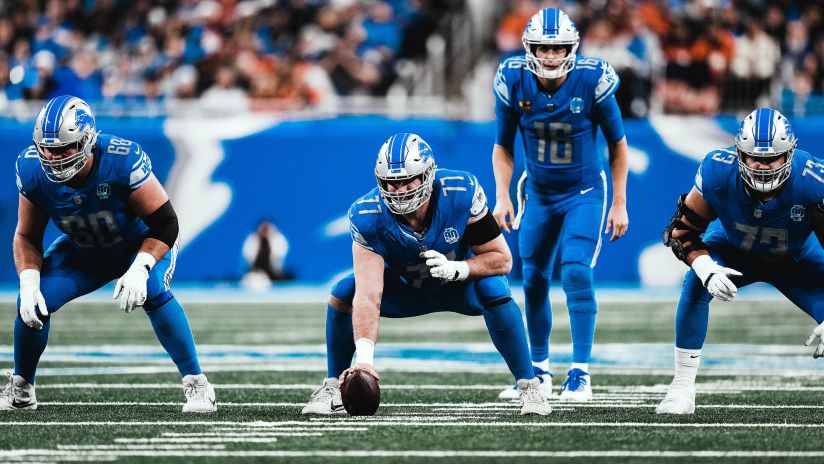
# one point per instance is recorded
(196, 440)
(413, 453)
(405, 421)
(141, 447)
(284, 433)
(291, 428)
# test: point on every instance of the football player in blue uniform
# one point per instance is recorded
(117, 222)
(423, 241)
(558, 100)
(750, 217)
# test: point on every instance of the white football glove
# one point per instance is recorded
(715, 277)
(131, 288)
(817, 332)
(31, 299)
(442, 268)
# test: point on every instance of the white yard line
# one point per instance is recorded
(425, 454)
(407, 422)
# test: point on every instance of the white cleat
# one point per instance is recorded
(513, 394)
(18, 394)
(200, 395)
(533, 400)
(325, 400)
(680, 399)
(577, 386)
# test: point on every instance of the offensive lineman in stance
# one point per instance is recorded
(116, 220)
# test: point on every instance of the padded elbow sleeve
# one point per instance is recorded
(163, 224)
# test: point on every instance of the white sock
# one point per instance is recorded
(544, 365)
(686, 365)
(583, 366)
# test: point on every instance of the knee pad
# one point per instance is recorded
(492, 291)
(344, 289)
(576, 279)
(534, 275)
(157, 301)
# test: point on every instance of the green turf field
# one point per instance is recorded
(107, 392)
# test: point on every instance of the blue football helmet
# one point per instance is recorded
(765, 134)
(403, 157)
(550, 26)
(63, 122)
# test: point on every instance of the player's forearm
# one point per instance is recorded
(619, 169)
(154, 247)
(27, 253)
(366, 316)
(503, 165)
(491, 263)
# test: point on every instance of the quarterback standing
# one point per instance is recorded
(558, 100)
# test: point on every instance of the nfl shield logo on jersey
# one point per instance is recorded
(797, 213)
(576, 105)
(451, 235)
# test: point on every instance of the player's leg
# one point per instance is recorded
(538, 241)
(171, 326)
(581, 242)
(691, 322)
(491, 297)
(64, 275)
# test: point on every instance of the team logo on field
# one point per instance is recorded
(525, 105)
(103, 191)
(576, 105)
(797, 213)
(451, 235)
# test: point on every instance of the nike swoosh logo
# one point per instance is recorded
(20, 404)
(336, 407)
(693, 357)
(583, 192)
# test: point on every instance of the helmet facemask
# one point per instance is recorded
(765, 180)
(62, 168)
(536, 65)
(408, 201)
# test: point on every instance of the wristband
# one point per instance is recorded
(364, 351)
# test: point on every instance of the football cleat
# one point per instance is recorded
(18, 394)
(680, 399)
(546, 386)
(326, 399)
(533, 400)
(200, 395)
(576, 387)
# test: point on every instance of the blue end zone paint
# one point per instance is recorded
(452, 357)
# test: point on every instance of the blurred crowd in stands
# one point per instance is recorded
(696, 56)
(230, 53)
(675, 56)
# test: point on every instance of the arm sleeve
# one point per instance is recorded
(608, 115)
(506, 117)
(361, 229)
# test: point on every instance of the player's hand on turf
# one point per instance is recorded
(131, 288)
(31, 299)
(818, 332)
(359, 367)
(440, 267)
(504, 213)
(617, 221)
(716, 277)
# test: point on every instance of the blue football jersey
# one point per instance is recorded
(97, 215)
(456, 197)
(769, 230)
(558, 131)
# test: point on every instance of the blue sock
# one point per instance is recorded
(577, 281)
(172, 329)
(340, 342)
(692, 314)
(506, 328)
(29, 345)
(538, 311)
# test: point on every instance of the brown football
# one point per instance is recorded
(360, 393)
